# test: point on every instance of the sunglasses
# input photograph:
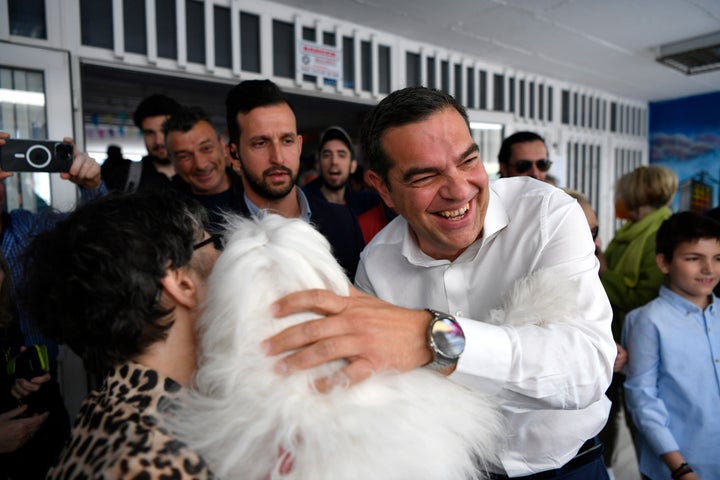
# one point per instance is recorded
(523, 166)
(216, 239)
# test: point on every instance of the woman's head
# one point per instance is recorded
(647, 186)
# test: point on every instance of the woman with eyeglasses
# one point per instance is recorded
(628, 270)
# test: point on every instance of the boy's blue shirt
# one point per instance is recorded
(673, 382)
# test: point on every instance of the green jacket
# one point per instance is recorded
(632, 277)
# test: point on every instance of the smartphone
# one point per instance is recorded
(35, 156)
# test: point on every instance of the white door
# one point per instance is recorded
(36, 103)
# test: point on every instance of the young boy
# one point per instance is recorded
(673, 373)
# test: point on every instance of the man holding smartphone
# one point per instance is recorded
(17, 228)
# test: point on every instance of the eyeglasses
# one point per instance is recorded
(524, 166)
(216, 239)
(595, 232)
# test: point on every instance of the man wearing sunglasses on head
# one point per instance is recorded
(524, 154)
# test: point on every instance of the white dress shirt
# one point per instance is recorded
(550, 379)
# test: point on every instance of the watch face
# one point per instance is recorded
(449, 337)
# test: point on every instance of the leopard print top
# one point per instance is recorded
(118, 432)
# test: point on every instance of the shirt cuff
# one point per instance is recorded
(485, 363)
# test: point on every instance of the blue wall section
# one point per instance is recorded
(685, 136)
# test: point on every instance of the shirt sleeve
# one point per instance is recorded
(567, 361)
(640, 338)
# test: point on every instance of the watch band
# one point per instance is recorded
(445, 339)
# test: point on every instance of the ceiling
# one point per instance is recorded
(609, 45)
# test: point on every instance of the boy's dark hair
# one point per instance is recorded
(154, 105)
(93, 282)
(246, 96)
(684, 227)
(517, 137)
(401, 107)
(184, 119)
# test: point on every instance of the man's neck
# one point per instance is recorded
(333, 196)
(168, 169)
(288, 206)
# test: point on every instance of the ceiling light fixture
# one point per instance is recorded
(696, 55)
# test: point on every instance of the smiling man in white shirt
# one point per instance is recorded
(458, 246)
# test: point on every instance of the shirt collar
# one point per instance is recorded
(305, 212)
(682, 303)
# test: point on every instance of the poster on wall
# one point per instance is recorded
(685, 136)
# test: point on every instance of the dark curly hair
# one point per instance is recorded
(153, 106)
(246, 96)
(408, 105)
(93, 282)
(518, 137)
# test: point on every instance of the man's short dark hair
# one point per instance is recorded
(401, 107)
(184, 119)
(153, 106)
(93, 282)
(684, 227)
(246, 96)
(518, 137)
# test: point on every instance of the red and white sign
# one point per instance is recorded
(319, 60)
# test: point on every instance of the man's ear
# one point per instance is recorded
(353, 166)
(379, 184)
(662, 263)
(180, 287)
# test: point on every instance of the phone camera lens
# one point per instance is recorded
(38, 156)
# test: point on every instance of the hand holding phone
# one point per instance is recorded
(19, 155)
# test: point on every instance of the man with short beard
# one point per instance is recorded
(265, 151)
(155, 170)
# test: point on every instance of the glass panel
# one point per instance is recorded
(329, 39)
(499, 92)
(582, 111)
(283, 49)
(27, 18)
(384, 68)
(308, 34)
(134, 26)
(613, 117)
(431, 72)
(565, 106)
(521, 87)
(531, 95)
(483, 90)
(22, 115)
(471, 87)
(223, 39)
(591, 112)
(550, 104)
(366, 65)
(166, 28)
(541, 102)
(511, 94)
(412, 69)
(348, 62)
(195, 27)
(250, 42)
(445, 76)
(488, 137)
(96, 23)
(457, 71)
(575, 108)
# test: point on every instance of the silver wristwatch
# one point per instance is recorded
(445, 339)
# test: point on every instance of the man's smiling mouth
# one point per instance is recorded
(454, 214)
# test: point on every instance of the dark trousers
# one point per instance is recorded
(588, 464)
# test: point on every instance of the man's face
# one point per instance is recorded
(437, 182)
(522, 155)
(151, 128)
(269, 151)
(694, 269)
(199, 158)
(336, 164)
